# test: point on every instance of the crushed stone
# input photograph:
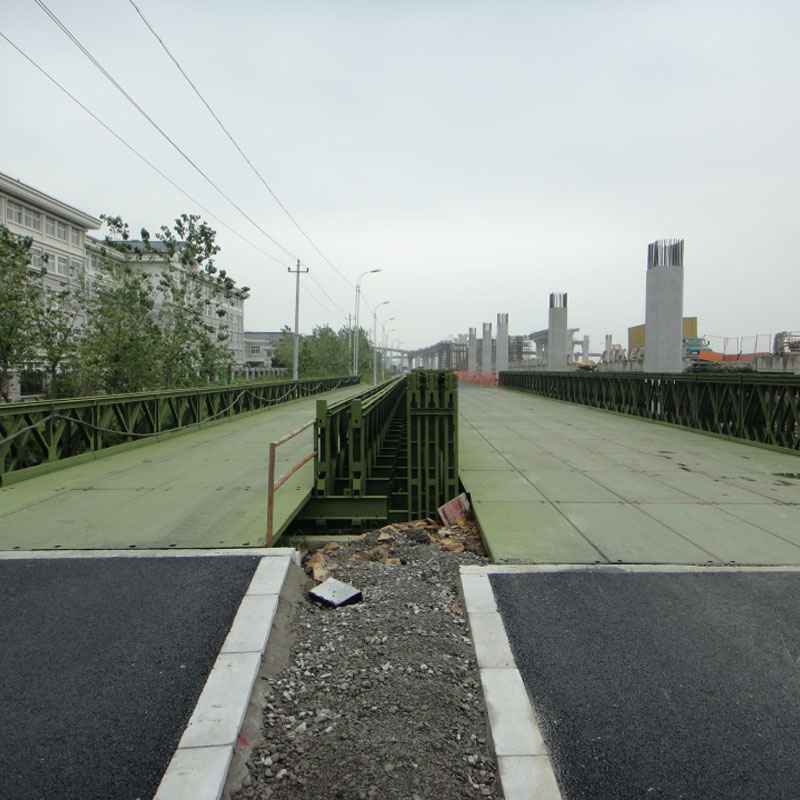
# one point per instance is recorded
(380, 699)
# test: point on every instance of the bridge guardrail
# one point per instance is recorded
(36, 437)
(392, 454)
(756, 408)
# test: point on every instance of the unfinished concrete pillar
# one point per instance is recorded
(585, 350)
(472, 351)
(663, 320)
(501, 357)
(486, 354)
(557, 346)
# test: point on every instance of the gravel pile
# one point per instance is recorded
(380, 699)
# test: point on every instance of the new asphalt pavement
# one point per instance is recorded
(102, 661)
(662, 684)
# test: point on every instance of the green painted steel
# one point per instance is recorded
(432, 406)
(35, 437)
(564, 483)
(757, 408)
(391, 454)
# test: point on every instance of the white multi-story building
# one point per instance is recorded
(61, 245)
(259, 347)
(151, 259)
(58, 230)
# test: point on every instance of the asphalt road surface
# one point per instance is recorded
(102, 661)
(654, 685)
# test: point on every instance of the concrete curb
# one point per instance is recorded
(199, 768)
(523, 762)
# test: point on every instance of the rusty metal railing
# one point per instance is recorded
(275, 485)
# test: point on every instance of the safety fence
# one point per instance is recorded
(758, 408)
(36, 436)
(389, 455)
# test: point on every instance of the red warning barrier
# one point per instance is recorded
(478, 378)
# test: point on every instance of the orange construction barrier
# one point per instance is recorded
(478, 378)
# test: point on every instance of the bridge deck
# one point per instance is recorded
(559, 483)
(202, 489)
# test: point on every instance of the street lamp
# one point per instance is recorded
(375, 341)
(383, 339)
(358, 303)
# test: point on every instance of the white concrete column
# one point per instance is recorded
(501, 356)
(557, 346)
(472, 351)
(663, 332)
(585, 349)
(486, 353)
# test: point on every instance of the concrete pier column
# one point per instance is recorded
(486, 354)
(557, 346)
(585, 349)
(472, 351)
(607, 349)
(663, 321)
(501, 356)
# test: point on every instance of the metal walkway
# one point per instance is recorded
(553, 482)
(203, 489)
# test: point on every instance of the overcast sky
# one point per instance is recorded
(482, 155)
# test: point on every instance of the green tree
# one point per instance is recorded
(116, 352)
(191, 292)
(325, 353)
(20, 298)
(59, 327)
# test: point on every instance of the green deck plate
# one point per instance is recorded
(483, 461)
(726, 536)
(530, 533)
(783, 521)
(640, 492)
(204, 489)
(500, 485)
(637, 487)
(625, 533)
(572, 486)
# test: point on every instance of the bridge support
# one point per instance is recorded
(663, 322)
(557, 333)
(501, 357)
(486, 354)
(472, 351)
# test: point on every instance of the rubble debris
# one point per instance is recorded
(455, 511)
(333, 592)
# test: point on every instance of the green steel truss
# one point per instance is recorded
(757, 408)
(34, 437)
(389, 454)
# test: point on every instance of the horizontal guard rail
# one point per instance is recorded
(755, 408)
(274, 485)
(34, 436)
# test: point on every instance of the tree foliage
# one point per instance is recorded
(325, 353)
(20, 297)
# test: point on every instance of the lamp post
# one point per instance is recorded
(358, 303)
(375, 341)
(383, 339)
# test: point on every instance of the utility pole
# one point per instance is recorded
(297, 272)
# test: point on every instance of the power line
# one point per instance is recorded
(235, 143)
(322, 289)
(136, 152)
(125, 94)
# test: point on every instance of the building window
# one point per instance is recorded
(76, 266)
(36, 258)
(61, 231)
(255, 350)
(13, 211)
(62, 265)
(50, 226)
(76, 237)
(33, 220)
